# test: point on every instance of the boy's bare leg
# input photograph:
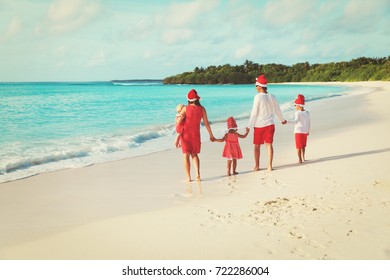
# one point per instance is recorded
(270, 150)
(303, 154)
(299, 152)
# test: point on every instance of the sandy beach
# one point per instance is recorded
(334, 206)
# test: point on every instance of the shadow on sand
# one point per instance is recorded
(337, 157)
(330, 158)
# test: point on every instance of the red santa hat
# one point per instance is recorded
(192, 95)
(300, 101)
(231, 123)
(261, 81)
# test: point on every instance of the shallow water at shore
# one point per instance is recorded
(53, 126)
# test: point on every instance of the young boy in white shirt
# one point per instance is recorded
(302, 127)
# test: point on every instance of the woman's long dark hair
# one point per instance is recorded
(196, 102)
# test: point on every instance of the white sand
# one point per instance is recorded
(334, 206)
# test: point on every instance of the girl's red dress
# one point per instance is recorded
(232, 148)
(190, 137)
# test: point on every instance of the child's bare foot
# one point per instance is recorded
(270, 168)
(198, 178)
(188, 179)
(256, 168)
(235, 173)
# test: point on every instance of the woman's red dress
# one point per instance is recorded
(190, 137)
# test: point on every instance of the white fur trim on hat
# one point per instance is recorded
(262, 85)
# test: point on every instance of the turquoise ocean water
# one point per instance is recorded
(52, 126)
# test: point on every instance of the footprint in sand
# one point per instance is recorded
(232, 182)
(315, 244)
(299, 252)
(219, 217)
(267, 180)
(295, 235)
(381, 184)
(272, 252)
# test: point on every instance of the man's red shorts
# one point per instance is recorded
(300, 140)
(264, 135)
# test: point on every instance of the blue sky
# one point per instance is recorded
(96, 40)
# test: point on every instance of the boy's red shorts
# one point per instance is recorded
(300, 140)
(264, 135)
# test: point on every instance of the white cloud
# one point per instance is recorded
(181, 21)
(61, 51)
(147, 54)
(363, 16)
(141, 30)
(359, 9)
(98, 58)
(175, 36)
(285, 12)
(301, 51)
(244, 51)
(179, 14)
(68, 15)
(13, 28)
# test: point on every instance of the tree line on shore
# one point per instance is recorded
(359, 69)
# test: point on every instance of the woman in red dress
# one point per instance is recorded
(192, 115)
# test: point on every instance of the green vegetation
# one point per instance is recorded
(360, 69)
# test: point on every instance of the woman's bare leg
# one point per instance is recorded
(187, 166)
(196, 162)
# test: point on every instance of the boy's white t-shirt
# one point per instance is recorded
(301, 121)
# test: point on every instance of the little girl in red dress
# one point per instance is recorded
(232, 150)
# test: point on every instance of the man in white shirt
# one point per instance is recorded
(265, 106)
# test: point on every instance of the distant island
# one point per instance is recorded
(359, 69)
